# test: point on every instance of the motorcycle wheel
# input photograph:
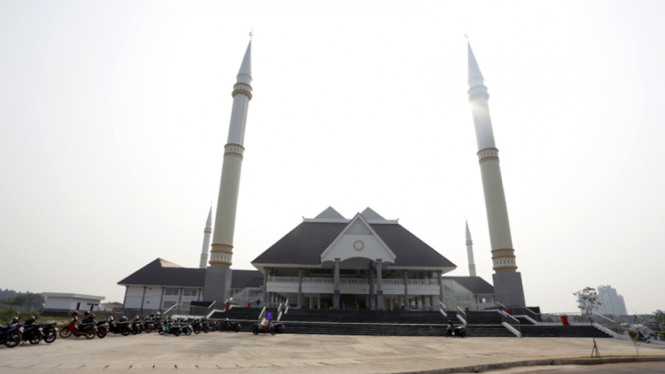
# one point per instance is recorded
(187, 331)
(125, 332)
(281, 329)
(197, 330)
(101, 332)
(35, 338)
(65, 333)
(272, 330)
(12, 339)
(256, 330)
(236, 328)
(50, 336)
(134, 331)
(176, 332)
(89, 333)
(148, 329)
(161, 331)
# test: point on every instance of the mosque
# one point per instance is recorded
(333, 262)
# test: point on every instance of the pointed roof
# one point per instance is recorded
(209, 220)
(329, 213)
(468, 233)
(475, 76)
(245, 73)
(307, 241)
(361, 223)
(370, 214)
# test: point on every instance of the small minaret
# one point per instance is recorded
(218, 276)
(469, 251)
(206, 241)
(507, 281)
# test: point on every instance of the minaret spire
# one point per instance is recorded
(206, 241)
(218, 276)
(507, 281)
(469, 251)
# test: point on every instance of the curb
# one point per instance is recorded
(543, 362)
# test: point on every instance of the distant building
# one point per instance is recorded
(611, 302)
(71, 301)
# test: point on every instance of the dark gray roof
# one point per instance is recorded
(305, 244)
(476, 285)
(164, 273)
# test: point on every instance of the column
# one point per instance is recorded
(266, 274)
(406, 290)
(336, 290)
(372, 293)
(299, 289)
(318, 301)
(161, 299)
(311, 302)
(379, 282)
(440, 287)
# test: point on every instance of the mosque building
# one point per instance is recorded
(333, 262)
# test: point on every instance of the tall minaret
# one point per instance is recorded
(218, 276)
(469, 251)
(508, 288)
(206, 241)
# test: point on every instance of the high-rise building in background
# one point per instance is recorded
(610, 302)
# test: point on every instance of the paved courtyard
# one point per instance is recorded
(246, 353)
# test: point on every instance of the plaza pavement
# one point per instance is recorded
(290, 353)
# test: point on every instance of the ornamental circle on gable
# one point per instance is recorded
(358, 245)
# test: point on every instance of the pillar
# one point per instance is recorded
(372, 292)
(406, 290)
(336, 289)
(299, 289)
(379, 289)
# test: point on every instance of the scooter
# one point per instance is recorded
(32, 332)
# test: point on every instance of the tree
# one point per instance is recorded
(34, 300)
(16, 301)
(587, 301)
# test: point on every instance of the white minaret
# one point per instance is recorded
(218, 276)
(507, 281)
(206, 241)
(469, 251)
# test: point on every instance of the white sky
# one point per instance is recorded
(114, 115)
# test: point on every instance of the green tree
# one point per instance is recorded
(587, 301)
(34, 300)
(16, 300)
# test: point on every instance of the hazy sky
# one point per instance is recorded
(114, 115)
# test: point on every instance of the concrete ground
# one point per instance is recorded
(246, 353)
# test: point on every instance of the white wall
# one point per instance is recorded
(70, 303)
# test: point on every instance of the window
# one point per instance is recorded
(190, 292)
(171, 292)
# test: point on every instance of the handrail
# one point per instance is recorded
(444, 313)
(602, 316)
(508, 315)
(503, 306)
(443, 305)
(460, 309)
(173, 306)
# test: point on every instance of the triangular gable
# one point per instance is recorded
(329, 213)
(358, 240)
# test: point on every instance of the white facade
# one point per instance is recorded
(159, 298)
(71, 301)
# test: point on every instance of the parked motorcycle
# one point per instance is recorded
(87, 329)
(208, 326)
(11, 335)
(266, 326)
(229, 326)
(33, 332)
(456, 330)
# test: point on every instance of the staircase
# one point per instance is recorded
(577, 331)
